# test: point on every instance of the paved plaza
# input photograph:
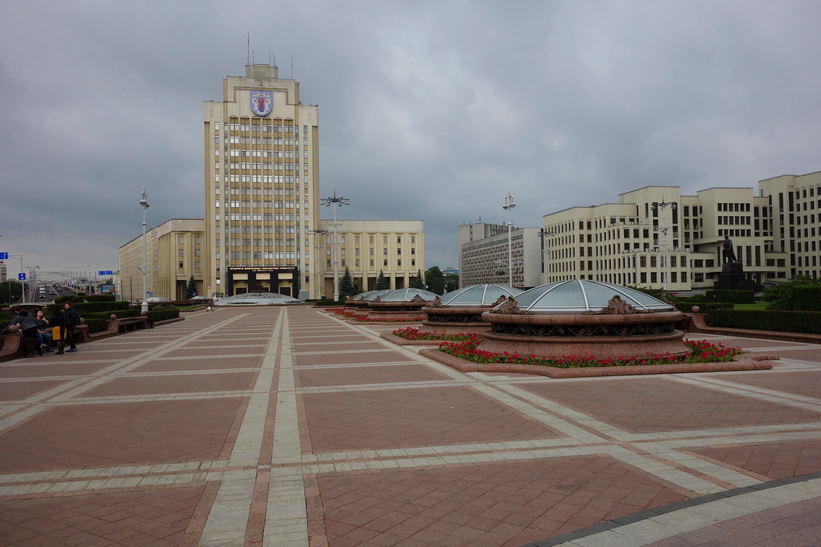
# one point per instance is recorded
(291, 426)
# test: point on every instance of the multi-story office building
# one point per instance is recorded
(174, 253)
(261, 185)
(795, 221)
(487, 254)
(655, 237)
(366, 247)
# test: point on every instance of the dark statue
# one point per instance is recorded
(729, 253)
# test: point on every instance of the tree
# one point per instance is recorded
(10, 291)
(417, 282)
(451, 282)
(381, 282)
(435, 280)
(346, 286)
(191, 288)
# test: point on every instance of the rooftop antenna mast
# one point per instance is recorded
(248, 52)
(292, 66)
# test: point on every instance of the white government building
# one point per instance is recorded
(655, 237)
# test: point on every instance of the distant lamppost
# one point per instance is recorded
(144, 205)
(334, 202)
(658, 207)
(508, 206)
(317, 261)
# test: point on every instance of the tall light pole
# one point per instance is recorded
(317, 261)
(508, 206)
(658, 207)
(334, 202)
(144, 205)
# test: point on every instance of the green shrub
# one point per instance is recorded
(767, 320)
(163, 314)
(806, 297)
(705, 307)
(96, 324)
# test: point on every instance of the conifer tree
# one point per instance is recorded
(191, 288)
(346, 286)
(381, 282)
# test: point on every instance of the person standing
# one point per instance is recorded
(72, 319)
(58, 330)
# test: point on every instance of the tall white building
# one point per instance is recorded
(261, 185)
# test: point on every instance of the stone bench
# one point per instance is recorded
(128, 324)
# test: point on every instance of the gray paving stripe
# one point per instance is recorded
(286, 517)
(228, 517)
(757, 393)
(667, 525)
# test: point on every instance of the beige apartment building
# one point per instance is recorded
(174, 253)
(366, 247)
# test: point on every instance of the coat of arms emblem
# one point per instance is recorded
(262, 102)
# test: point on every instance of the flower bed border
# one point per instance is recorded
(746, 363)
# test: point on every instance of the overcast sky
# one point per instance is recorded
(429, 110)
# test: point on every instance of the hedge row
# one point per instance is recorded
(768, 320)
(735, 297)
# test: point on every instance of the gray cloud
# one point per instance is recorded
(428, 110)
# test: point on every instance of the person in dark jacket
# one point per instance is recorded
(58, 323)
(28, 326)
(72, 319)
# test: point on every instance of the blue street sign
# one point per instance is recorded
(21, 277)
(106, 272)
(4, 256)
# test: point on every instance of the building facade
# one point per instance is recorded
(655, 237)
(174, 253)
(488, 255)
(368, 247)
(261, 186)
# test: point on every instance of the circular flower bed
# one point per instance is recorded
(702, 352)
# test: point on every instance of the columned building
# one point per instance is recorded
(261, 186)
(367, 247)
(174, 254)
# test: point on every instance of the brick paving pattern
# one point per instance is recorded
(290, 426)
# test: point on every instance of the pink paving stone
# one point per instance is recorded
(807, 384)
(16, 391)
(659, 404)
(774, 461)
(368, 375)
(187, 383)
(347, 346)
(158, 516)
(210, 352)
(54, 368)
(483, 500)
(106, 435)
(412, 417)
(168, 365)
(351, 357)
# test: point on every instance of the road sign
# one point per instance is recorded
(4, 256)
(105, 272)
(21, 277)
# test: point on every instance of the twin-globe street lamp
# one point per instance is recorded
(334, 202)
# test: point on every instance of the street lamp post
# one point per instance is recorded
(664, 251)
(334, 202)
(317, 260)
(144, 205)
(508, 206)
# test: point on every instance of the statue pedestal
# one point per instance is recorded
(733, 278)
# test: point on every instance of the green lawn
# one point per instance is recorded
(754, 306)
